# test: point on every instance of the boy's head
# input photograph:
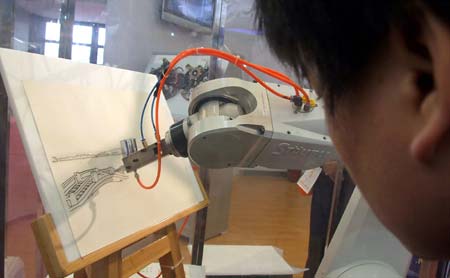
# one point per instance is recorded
(383, 70)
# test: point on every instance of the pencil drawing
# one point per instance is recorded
(81, 156)
(79, 187)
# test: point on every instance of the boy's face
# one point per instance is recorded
(376, 132)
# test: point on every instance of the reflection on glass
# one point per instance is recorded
(100, 53)
(196, 11)
(51, 49)
(101, 36)
(52, 31)
(81, 53)
(82, 34)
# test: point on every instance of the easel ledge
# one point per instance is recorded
(107, 261)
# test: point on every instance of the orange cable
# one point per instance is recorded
(180, 232)
(139, 181)
(252, 75)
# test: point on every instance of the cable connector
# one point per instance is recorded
(297, 103)
(297, 100)
(307, 107)
(300, 104)
(144, 143)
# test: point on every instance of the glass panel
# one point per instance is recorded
(189, 13)
(52, 30)
(145, 37)
(81, 53)
(23, 207)
(242, 37)
(51, 49)
(101, 36)
(100, 53)
(82, 34)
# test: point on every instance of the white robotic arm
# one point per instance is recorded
(236, 123)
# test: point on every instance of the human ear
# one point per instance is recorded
(435, 85)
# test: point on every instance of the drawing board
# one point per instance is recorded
(72, 117)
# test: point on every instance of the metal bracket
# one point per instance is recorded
(144, 157)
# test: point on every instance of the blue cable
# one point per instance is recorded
(143, 111)
(152, 114)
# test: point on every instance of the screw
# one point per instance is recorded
(262, 130)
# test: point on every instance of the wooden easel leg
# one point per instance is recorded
(80, 274)
(171, 263)
(108, 267)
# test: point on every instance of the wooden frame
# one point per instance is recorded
(108, 261)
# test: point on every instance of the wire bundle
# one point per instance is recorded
(236, 60)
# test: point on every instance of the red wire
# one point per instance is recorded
(143, 276)
(139, 181)
(180, 232)
(264, 84)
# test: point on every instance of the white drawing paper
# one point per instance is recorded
(104, 203)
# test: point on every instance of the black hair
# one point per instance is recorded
(338, 40)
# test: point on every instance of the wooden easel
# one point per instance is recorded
(108, 261)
